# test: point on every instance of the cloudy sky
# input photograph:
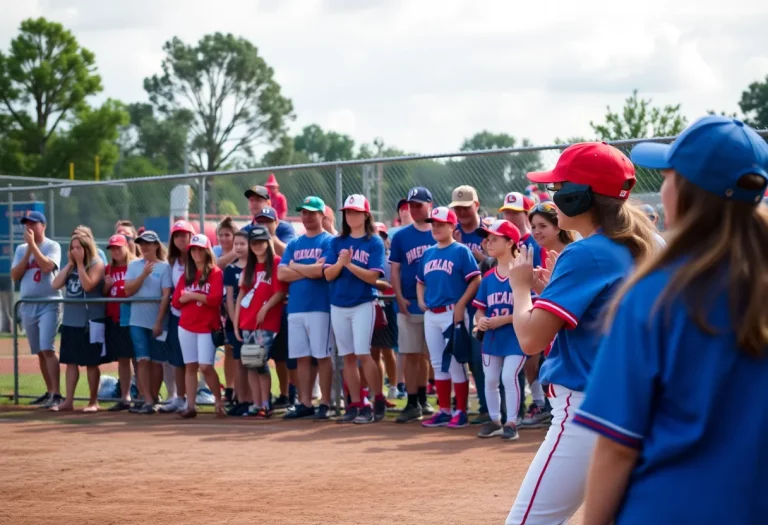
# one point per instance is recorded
(426, 74)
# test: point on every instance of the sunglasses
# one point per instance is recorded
(544, 207)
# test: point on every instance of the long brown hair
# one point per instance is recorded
(723, 246)
(89, 247)
(174, 254)
(249, 272)
(548, 212)
(190, 268)
(370, 226)
(625, 223)
(129, 256)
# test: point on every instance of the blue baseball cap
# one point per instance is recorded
(713, 153)
(33, 216)
(266, 213)
(419, 194)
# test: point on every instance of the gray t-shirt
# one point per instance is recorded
(79, 314)
(145, 314)
(35, 283)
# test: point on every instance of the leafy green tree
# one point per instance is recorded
(754, 104)
(161, 140)
(487, 140)
(639, 118)
(571, 140)
(231, 92)
(321, 146)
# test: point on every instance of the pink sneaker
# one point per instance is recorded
(460, 420)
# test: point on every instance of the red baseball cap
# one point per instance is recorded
(182, 226)
(596, 164)
(501, 228)
(271, 181)
(357, 203)
(443, 214)
(381, 227)
(117, 240)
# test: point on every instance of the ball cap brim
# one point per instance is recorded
(651, 155)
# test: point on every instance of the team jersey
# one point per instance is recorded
(495, 297)
(196, 316)
(586, 276)
(231, 278)
(257, 294)
(471, 240)
(308, 295)
(407, 247)
(347, 289)
(35, 283)
(663, 386)
(539, 256)
(117, 290)
(444, 272)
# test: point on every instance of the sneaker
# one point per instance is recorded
(379, 409)
(409, 413)
(300, 412)
(253, 410)
(365, 415)
(146, 408)
(55, 401)
(481, 419)
(427, 409)
(349, 416)
(536, 417)
(171, 406)
(460, 420)
(238, 409)
(401, 392)
(136, 408)
(490, 430)
(510, 433)
(322, 412)
(42, 400)
(204, 397)
(440, 419)
(392, 392)
(262, 413)
(119, 406)
(182, 406)
(280, 402)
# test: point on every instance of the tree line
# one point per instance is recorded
(214, 102)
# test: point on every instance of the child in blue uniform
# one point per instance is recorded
(592, 182)
(690, 324)
(502, 357)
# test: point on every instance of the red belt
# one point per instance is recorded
(441, 309)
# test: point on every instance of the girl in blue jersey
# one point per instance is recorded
(592, 182)
(691, 323)
(353, 265)
(502, 357)
(447, 281)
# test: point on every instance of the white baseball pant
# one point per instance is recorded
(310, 335)
(553, 488)
(505, 369)
(197, 348)
(353, 328)
(434, 326)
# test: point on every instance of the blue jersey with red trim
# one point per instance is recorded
(471, 240)
(407, 248)
(347, 289)
(495, 297)
(531, 243)
(586, 276)
(445, 273)
(665, 387)
(307, 295)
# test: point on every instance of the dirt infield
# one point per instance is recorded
(104, 469)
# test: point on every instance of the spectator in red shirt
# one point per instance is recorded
(277, 199)
(198, 296)
(259, 311)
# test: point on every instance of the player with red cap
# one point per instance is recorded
(592, 182)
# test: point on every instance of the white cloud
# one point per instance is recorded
(424, 75)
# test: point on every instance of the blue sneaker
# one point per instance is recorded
(440, 419)
(460, 420)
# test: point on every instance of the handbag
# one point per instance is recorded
(254, 355)
(219, 338)
(380, 321)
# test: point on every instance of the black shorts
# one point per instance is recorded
(236, 345)
(279, 352)
(386, 337)
(76, 347)
(119, 343)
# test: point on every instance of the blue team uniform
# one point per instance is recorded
(586, 276)
(445, 273)
(307, 295)
(495, 297)
(347, 290)
(661, 385)
(532, 245)
(471, 240)
(407, 248)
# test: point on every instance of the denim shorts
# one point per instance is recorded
(268, 341)
(145, 346)
(175, 357)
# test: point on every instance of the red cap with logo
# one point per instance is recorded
(182, 226)
(501, 228)
(444, 215)
(357, 203)
(117, 240)
(598, 165)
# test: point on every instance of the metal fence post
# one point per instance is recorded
(51, 212)
(202, 205)
(337, 369)
(15, 327)
(11, 251)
